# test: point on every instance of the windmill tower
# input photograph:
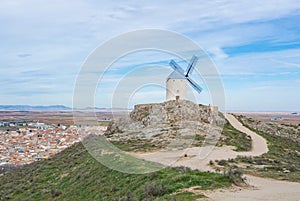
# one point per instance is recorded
(176, 87)
(178, 79)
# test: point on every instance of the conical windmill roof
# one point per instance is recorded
(175, 75)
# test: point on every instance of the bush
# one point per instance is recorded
(222, 163)
(235, 176)
(154, 190)
(55, 193)
(128, 197)
(153, 175)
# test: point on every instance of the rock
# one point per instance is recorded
(286, 171)
(170, 124)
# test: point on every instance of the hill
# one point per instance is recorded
(74, 175)
(273, 128)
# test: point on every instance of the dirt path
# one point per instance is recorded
(262, 189)
(259, 144)
(199, 157)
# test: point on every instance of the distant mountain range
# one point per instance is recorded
(47, 108)
(31, 108)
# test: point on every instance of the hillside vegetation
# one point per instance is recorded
(233, 137)
(273, 128)
(74, 175)
(282, 161)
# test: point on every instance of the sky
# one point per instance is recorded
(255, 46)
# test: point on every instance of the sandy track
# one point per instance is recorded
(262, 189)
(259, 144)
(199, 157)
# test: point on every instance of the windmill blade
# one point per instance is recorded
(194, 85)
(191, 65)
(176, 67)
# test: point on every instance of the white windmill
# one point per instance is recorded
(177, 81)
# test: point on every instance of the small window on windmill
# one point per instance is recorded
(177, 97)
(173, 80)
(177, 91)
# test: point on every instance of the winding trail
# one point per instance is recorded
(259, 144)
(199, 157)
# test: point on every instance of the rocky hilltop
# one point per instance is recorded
(171, 124)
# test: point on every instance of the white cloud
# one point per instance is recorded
(260, 63)
(60, 34)
(218, 53)
(297, 65)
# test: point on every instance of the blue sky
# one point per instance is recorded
(255, 46)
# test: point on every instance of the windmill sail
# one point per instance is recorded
(191, 66)
(194, 85)
(176, 67)
(189, 70)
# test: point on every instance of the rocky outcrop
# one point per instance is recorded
(175, 123)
